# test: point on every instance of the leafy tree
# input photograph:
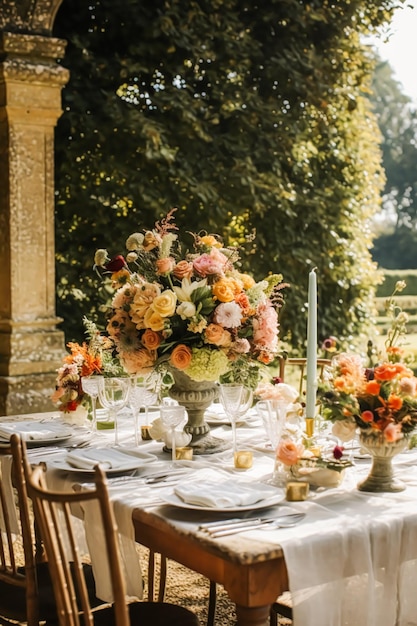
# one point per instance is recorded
(397, 120)
(394, 246)
(244, 115)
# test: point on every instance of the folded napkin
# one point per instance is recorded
(33, 431)
(220, 494)
(107, 458)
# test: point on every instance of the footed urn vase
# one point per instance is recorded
(196, 397)
(381, 477)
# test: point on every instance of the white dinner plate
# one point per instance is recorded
(128, 464)
(36, 433)
(174, 500)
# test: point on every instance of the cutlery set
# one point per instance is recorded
(238, 525)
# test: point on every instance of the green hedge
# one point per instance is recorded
(391, 278)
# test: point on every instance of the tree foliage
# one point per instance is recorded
(246, 116)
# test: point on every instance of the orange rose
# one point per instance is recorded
(217, 335)
(180, 357)
(165, 266)
(183, 269)
(150, 339)
(289, 452)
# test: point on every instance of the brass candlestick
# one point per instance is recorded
(309, 427)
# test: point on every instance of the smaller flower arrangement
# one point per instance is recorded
(319, 470)
(191, 309)
(91, 357)
(380, 400)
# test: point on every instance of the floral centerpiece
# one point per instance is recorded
(191, 311)
(378, 401)
(91, 357)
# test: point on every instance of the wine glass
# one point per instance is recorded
(113, 393)
(140, 396)
(90, 386)
(231, 396)
(273, 414)
(171, 416)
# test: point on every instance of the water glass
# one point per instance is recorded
(141, 396)
(113, 394)
(90, 386)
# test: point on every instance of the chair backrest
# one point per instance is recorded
(17, 543)
(293, 371)
(54, 515)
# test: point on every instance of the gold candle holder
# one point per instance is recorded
(297, 491)
(309, 426)
(243, 459)
(145, 433)
(184, 454)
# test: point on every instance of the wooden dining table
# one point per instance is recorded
(255, 567)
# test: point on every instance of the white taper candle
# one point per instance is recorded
(311, 346)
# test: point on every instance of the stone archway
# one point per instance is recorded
(31, 81)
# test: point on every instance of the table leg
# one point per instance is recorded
(252, 616)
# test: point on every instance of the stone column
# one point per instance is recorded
(31, 346)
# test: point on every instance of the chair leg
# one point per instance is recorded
(273, 618)
(162, 578)
(211, 616)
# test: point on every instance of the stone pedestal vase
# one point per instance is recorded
(381, 477)
(196, 397)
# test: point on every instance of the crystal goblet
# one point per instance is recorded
(90, 386)
(113, 394)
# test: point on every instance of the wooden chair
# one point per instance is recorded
(25, 585)
(26, 593)
(54, 518)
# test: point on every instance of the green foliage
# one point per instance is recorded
(246, 116)
(397, 120)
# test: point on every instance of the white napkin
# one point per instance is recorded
(33, 431)
(219, 495)
(107, 458)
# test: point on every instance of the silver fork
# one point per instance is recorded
(285, 521)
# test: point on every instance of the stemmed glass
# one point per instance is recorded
(140, 396)
(273, 414)
(231, 396)
(171, 416)
(90, 386)
(113, 393)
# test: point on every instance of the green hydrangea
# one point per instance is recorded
(207, 364)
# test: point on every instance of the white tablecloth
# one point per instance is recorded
(351, 562)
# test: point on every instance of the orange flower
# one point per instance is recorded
(289, 452)
(217, 335)
(226, 289)
(180, 357)
(150, 339)
(395, 402)
(183, 269)
(373, 388)
(164, 266)
(367, 416)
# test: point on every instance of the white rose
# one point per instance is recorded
(344, 430)
(186, 310)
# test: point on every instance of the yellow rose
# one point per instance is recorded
(247, 281)
(226, 289)
(210, 241)
(165, 303)
(153, 320)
